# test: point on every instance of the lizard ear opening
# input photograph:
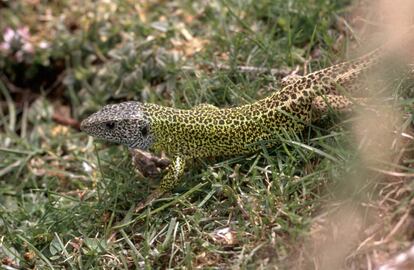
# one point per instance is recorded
(144, 131)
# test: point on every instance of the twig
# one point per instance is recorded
(66, 121)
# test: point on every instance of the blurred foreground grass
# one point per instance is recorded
(66, 201)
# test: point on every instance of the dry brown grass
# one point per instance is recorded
(371, 231)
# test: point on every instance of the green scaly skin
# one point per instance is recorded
(206, 130)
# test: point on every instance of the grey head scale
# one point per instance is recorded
(124, 123)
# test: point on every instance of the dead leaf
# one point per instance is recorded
(225, 236)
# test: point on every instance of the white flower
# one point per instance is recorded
(17, 42)
(9, 34)
(43, 44)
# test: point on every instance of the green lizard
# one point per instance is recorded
(206, 130)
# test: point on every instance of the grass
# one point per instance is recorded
(67, 201)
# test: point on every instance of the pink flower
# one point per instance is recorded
(17, 42)
(7, 37)
(23, 32)
(8, 34)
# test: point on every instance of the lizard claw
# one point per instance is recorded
(149, 200)
(147, 164)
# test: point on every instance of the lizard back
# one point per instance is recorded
(201, 132)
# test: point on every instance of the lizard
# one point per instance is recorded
(206, 130)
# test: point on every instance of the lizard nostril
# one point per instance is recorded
(82, 125)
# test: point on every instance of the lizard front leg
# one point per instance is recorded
(147, 164)
(171, 178)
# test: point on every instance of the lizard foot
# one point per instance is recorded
(149, 200)
(147, 164)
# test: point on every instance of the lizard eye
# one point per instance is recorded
(110, 125)
(144, 131)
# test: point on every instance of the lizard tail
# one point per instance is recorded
(347, 73)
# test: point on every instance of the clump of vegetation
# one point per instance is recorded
(66, 201)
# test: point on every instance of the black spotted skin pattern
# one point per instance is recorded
(205, 131)
(208, 131)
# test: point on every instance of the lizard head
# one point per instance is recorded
(124, 123)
